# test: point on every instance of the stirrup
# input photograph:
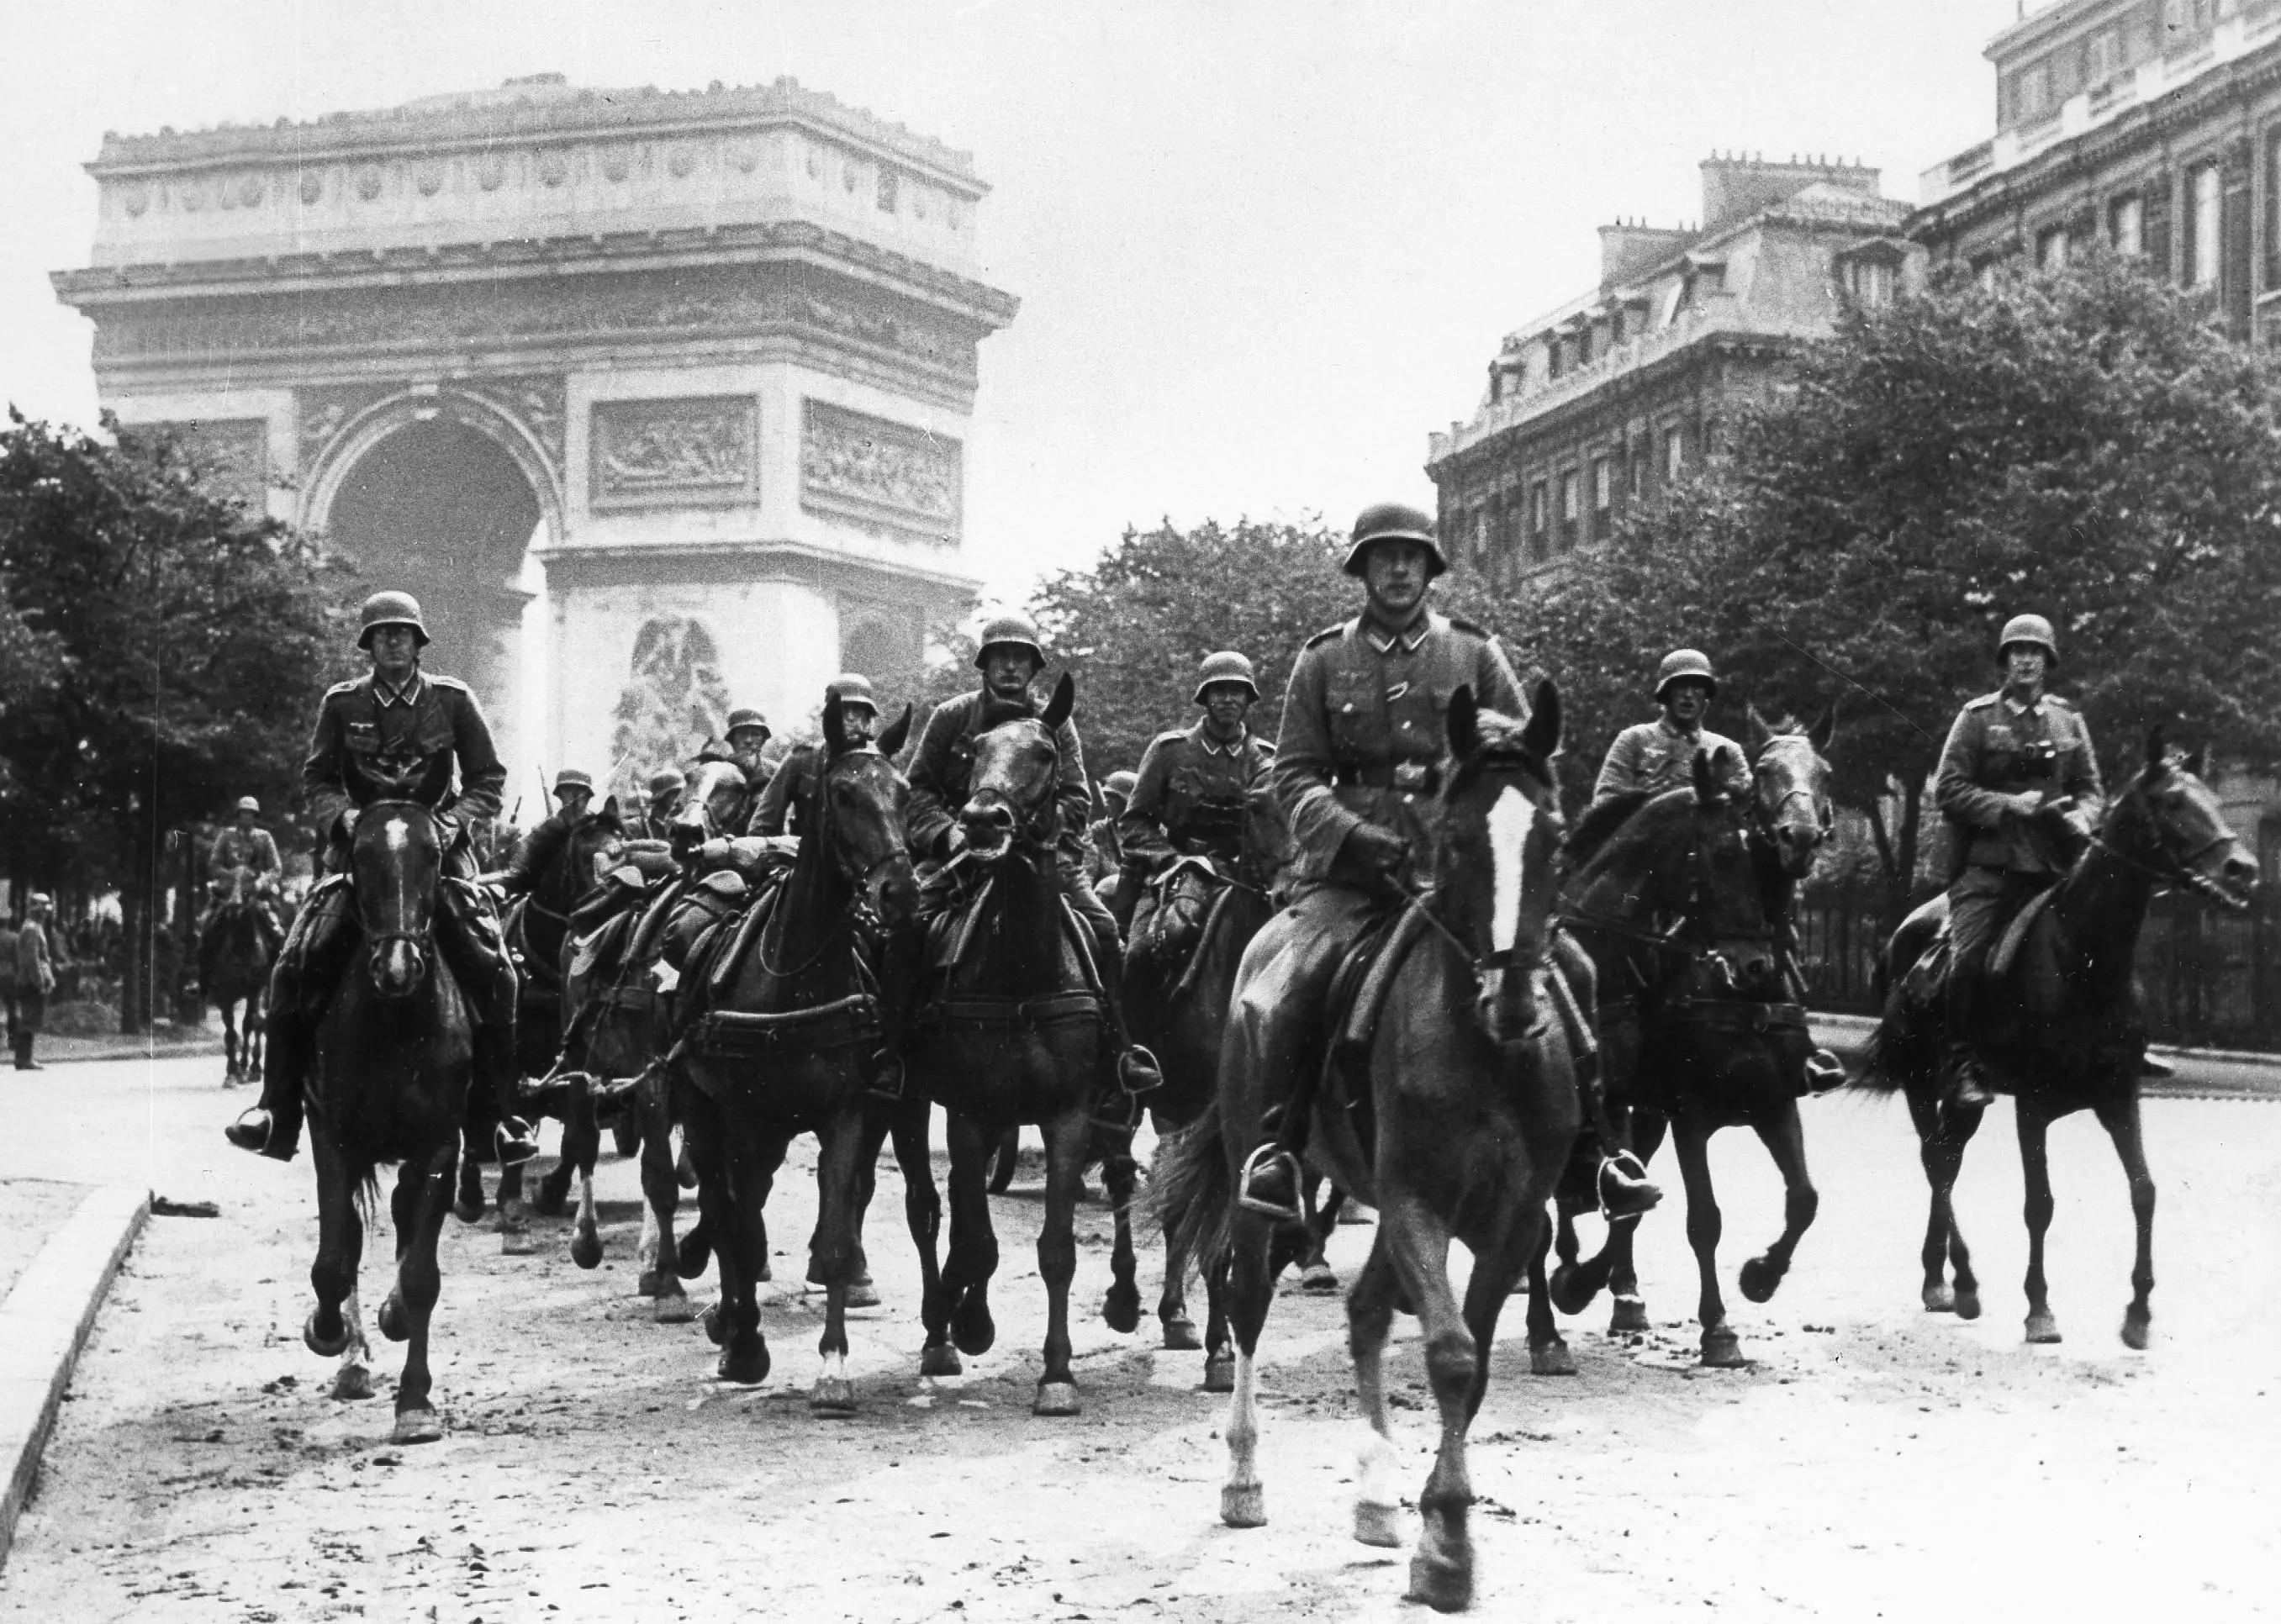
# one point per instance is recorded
(1623, 1188)
(1823, 1072)
(514, 1142)
(1261, 1166)
(1137, 1071)
(886, 1084)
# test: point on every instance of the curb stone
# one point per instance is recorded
(45, 1324)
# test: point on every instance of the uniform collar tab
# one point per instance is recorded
(408, 694)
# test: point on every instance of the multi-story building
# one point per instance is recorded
(2153, 125)
(1604, 401)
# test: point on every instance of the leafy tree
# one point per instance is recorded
(180, 645)
(2085, 445)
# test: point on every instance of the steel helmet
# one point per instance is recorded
(1121, 783)
(2032, 629)
(574, 778)
(1013, 628)
(745, 715)
(1684, 665)
(1394, 521)
(388, 609)
(852, 688)
(666, 778)
(247, 803)
(1226, 666)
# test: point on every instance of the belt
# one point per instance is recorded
(1414, 777)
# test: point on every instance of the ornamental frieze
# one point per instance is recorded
(883, 476)
(701, 449)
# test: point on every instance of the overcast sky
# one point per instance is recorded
(1262, 246)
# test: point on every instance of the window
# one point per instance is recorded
(1554, 358)
(2126, 226)
(1869, 281)
(2031, 93)
(1603, 483)
(2273, 207)
(1634, 471)
(887, 191)
(2102, 55)
(1568, 509)
(1538, 547)
(2202, 222)
(1674, 451)
(2052, 249)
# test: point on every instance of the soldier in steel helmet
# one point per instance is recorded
(400, 722)
(2013, 758)
(1659, 755)
(1104, 848)
(775, 811)
(748, 730)
(1010, 658)
(1192, 795)
(242, 847)
(574, 795)
(1358, 770)
(663, 789)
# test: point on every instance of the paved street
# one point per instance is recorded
(1873, 1462)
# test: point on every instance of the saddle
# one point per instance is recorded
(950, 936)
(1189, 897)
(600, 949)
(1921, 988)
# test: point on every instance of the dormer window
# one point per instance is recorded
(1870, 273)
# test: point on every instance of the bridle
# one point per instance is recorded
(1765, 821)
(859, 880)
(421, 939)
(2176, 870)
(1038, 825)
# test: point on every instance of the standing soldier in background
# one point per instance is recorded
(1659, 755)
(574, 792)
(36, 978)
(244, 845)
(1192, 795)
(395, 723)
(1104, 850)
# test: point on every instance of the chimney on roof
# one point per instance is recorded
(1629, 247)
(1734, 189)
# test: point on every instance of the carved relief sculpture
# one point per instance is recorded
(882, 474)
(696, 449)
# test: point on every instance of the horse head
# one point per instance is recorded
(2167, 820)
(861, 801)
(710, 806)
(1497, 866)
(1789, 773)
(396, 857)
(587, 855)
(1016, 769)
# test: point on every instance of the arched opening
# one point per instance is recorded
(443, 511)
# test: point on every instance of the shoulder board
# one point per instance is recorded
(1458, 624)
(1328, 632)
(350, 687)
(2061, 700)
(1984, 701)
(451, 682)
(1168, 736)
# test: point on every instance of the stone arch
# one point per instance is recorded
(378, 422)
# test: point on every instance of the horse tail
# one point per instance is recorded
(1190, 1196)
(1902, 1053)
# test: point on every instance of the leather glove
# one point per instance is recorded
(1381, 851)
(954, 841)
(2024, 805)
(347, 821)
(714, 850)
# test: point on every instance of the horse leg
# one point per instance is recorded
(515, 1239)
(1627, 1312)
(2035, 1163)
(586, 1228)
(973, 1256)
(1548, 1349)
(257, 1020)
(418, 1284)
(1219, 1342)
(740, 1239)
(353, 1379)
(703, 1137)
(661, 1278)
(231, 1071)
(553, 1191)
(1249, 1292)
(2120, 1118)
(1784, 1138)
(1369, 1315)
(1442, 1571)
(922, 1213)
(1066, 1140)
(1317, 1277)
(1119, 1173)
(1575, 1283)
(832, 1254)
(340, 1246)
(1721, 1349)
(1941, 1138)
(467, 1205)
(862, 1293)
(1179, 1331)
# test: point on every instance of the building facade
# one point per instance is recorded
(1603, 401)
(2150, 126)
(657, 401)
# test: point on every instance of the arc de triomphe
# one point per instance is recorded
(657, 401)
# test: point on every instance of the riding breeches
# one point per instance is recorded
(1285, 983)
(1980, 903)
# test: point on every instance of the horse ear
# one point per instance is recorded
(890, 742)
(1064, 700)
(1542, 736)
(1760, 731)
(610, 808)
(1710, 776)
(835, 726)
(2199, 761)
(2157, 752)
(1823, 733)
(1464, 722)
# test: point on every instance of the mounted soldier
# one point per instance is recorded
(1655, 756)
(775, 809)
(2014, 759)
(396, 733)
(1104, 849)
(748, 732)
(245, 846)
(1011, 659)
(1192, 797)
(1358, 770)
(654, 821)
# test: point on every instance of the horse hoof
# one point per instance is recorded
(1938, 1298)
(1569, 1293)
(1722, 1349)
(939, 1360)
(418, 1425)
(690, 1254)
(1180, 1334)
(549, 1201)
(323, 1346)
(2136, 1325)
(2042, 1327)
(1318, 1280)
(353, 1383)
(394, 1324)
(1442, 1584)
(1219, 1375)
(1759, 1278)
(747, 1366)
(685, 1175)
(671, 1307)
(1550, 1358)
(1629, 1316)
(1056, 1398)
(586, 1247)
(862, 1294)
(971, 1329)
(1968, 1303)
(1244, 1506)
(716, 1329)
(467, 1209)
(650, 1283)
(833, 1395)
(1120, 1310)
(1378, 1525)
(626, 1134)
(763, 1273)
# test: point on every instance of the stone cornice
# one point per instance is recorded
(529, 114)
(91, 288)
(886, 580)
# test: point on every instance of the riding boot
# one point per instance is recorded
(905, 956)
(1967, 1083)
(24, 1061)
(470, 939)
(1137, 1071)
(273, 1127)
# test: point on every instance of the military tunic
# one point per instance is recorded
(540, 851)
(244, 848)
(1364, 728)
(793, 782)
(422, 732)
(1655, 756)
(942, 772)
(1192, 796)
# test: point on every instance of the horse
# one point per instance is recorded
(2066, 1029)
(237, 958)
(786, 1048)
(1456, 1125)
(1682, 900)
(393, 1057)
(1183, 1023)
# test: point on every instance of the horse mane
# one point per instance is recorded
(1601, 820)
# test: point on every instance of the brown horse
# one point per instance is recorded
(1459, 1130)
(787, 1049)
(1684, 901)
(2066, 1033)
(238, 958)
(393, 1055)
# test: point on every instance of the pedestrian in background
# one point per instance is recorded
(36, 978)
